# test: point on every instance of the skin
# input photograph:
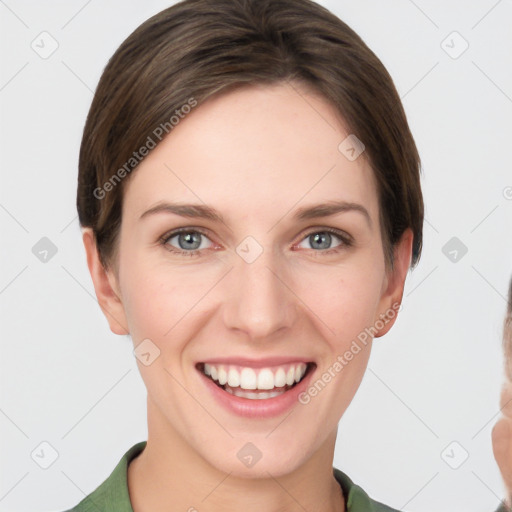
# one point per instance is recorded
(501, 440)
(502, 430)
(255, 154)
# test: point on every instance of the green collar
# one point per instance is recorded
(112, 495)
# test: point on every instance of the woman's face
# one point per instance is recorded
(280, 284)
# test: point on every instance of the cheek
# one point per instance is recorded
(149, 291)
(149, 306)
(345, 299)
(163, 302)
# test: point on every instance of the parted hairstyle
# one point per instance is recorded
(194, 49)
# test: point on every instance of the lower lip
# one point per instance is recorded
(258, 408)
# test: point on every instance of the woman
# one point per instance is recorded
(502, 431)
(249, 192)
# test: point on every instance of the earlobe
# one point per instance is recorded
(105, 286)
(391, 298)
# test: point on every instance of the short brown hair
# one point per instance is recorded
(197, 48)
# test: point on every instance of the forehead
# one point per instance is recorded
(257, 148)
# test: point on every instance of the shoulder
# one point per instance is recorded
(357, 499)
(112, 495)
(503, 507)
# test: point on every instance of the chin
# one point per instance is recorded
(259, 459)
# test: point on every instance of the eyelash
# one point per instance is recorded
(346, 240)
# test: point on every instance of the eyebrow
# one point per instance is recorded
(308, 212)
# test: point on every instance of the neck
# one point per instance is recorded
(170, 475)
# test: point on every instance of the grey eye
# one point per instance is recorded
(321, 240)
(188, 240)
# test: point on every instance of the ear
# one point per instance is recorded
(106, 286)
(501, 436)
(393, 284)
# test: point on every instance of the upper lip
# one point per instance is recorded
(256, 363)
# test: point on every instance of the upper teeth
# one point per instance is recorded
(251, 378)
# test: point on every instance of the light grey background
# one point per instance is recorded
(433, 380)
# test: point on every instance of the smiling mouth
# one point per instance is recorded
(256, 383)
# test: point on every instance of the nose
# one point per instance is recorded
(259, 301)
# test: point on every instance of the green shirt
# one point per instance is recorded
(112, 495)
